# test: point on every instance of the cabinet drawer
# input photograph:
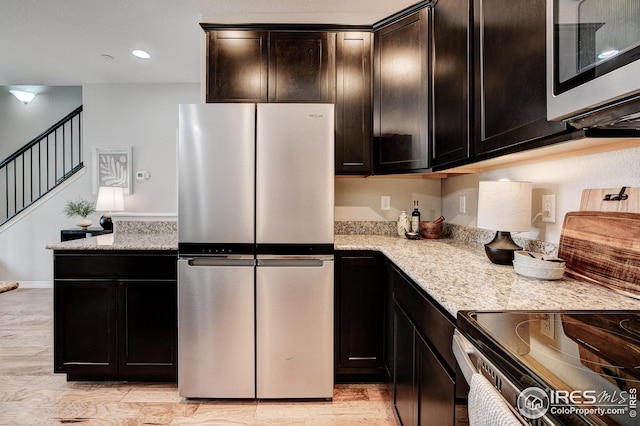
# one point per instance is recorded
(430, 321)
(115, 265)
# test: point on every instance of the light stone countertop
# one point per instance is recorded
(460, 277)
(456, 275)
(121, 241)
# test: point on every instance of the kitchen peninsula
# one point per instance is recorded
(115, 304)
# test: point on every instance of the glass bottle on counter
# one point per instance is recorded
(403, 223)
(415, 217)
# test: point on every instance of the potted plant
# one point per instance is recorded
(82, 208)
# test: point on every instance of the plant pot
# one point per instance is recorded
(84, 223)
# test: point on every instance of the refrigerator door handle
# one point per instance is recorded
(221, 261)
(298, 262)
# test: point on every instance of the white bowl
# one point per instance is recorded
(539, 272)
(538, 259)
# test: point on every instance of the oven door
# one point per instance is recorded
(593, 54)
(493, 397)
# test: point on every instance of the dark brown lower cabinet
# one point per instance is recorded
(85, 332)
(424, 368)
(359, 319)
(115, 316)
(148, 312)
(436, 387)
(404, 394)
(389, 329)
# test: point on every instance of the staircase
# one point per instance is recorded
(41, 165)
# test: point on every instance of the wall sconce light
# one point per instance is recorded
(23, 96)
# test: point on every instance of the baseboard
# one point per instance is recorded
(35, 284)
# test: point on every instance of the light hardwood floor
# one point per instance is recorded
(30, 394)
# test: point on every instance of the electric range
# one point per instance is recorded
(564, 367)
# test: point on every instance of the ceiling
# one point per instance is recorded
(74, 42)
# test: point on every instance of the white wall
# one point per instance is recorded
(20, 123)
(565, 178)
(358, 199)
(143, 116)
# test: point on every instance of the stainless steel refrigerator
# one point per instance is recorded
(255, 231)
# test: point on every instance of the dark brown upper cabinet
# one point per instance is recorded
(451, 82)
(237, 66)
(301, 67)
(510, 77)
(353, 103)
(265, 66)
(401, 103)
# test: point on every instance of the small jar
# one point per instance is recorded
(403, 223)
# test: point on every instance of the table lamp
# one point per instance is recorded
(110, 199)
(504, 207)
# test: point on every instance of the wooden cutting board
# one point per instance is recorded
(594, 200)
(603, 248)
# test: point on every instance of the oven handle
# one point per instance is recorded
(462, 350)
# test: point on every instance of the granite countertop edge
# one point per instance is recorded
(456, 275)
(461, 277)
(121, 242)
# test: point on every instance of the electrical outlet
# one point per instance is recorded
(546, 325)
(463, 204)
(385, 202)
(549, 208)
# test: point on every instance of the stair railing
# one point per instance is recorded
(41, 165)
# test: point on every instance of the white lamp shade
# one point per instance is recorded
(504, 206)
(110, 199)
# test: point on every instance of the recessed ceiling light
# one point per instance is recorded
(141, 54)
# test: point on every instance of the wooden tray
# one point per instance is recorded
(603, 248)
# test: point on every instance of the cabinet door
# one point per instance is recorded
(301, 67)
(148, 324)
(360, 314)
(353, 103)
(237, 66)
(436, 400)
(401, 95)
(389, 342)
(404, 387)
(85, 327)
(510, 70)
(451, 50)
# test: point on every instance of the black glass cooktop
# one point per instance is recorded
(588, 361)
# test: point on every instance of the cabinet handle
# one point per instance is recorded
(362, 358)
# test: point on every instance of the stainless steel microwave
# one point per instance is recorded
(593, 62)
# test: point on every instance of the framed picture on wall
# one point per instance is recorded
(112, 167)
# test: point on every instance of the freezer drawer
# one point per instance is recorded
(294, 309)
(216, 340)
